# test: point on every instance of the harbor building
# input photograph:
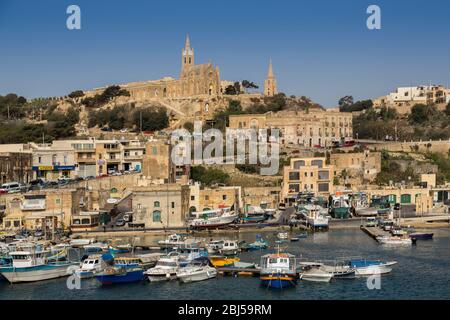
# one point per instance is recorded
(161, 206)
(359, 167)
(16, 166)
(264, 197)
(304, 128)
(52, 208)
(307, 175)
(203, 198)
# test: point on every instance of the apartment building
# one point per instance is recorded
(306, 128)
(361, 165)
(205, 198)
(307, 175)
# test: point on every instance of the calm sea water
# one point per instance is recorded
(423, 272)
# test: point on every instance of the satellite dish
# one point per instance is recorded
(112, 201)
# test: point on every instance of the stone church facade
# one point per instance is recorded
(195, 80)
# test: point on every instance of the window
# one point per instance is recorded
(192, 198)
(173, 205)
(294, 176)
(323, 187)
(224, 197)
(294, 188)
(154, 151)
(40, 159)
(324, 175)
(156, 204)
(206, 198)
(57, 201)
(156, 216)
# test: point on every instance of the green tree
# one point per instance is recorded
(421, 113)
(76, 94)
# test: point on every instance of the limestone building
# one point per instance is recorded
(299, 127)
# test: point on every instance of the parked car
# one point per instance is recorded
(10, 187)
(397, 206)
(120, 222)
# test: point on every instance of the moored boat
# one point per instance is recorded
(316, 274)
(196, 271)
(166, 268)
(365, 267)
(31, 266)
(90, 267)
(213, 218)
(124, 270)
(278, 270)
(421, 236)
(222, 261)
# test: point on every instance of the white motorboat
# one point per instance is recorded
(80, 242)
(282, 235)
(365, 267)
(175, 240)
(166, 268)
(196, 272)
(90, 267)
(96, 247)
(395, 241)
(214, 246)
(212, 219)
(229, 248)
(316, 274)
(315, 216)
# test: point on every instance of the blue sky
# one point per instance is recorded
(321, 49)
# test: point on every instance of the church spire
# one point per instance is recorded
(187, 44)
(270, 73)
(270, 85)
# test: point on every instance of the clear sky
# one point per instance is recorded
(321, 49)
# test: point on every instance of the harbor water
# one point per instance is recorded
(422, 272)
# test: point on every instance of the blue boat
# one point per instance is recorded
(421, 236)
(278, 271)
(124, 270)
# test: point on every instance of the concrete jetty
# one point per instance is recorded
(375, 232)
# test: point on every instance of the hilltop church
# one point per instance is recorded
(195, 80)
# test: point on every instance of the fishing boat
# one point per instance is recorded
(214, 246)
(212, 219)
(166, 268)
(222, 261)
(365, 267)
(278, 270)
(315, 274)
(30, 266)
(196, 271)
(229, 248)
(121, 248)
(315, 216)
(124, 270)
(395, 241)
(421, 236)
(255, 215)
(90, 267)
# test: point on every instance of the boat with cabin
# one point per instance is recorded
(195, 271)
(90, 266)
(316, 216)
(278, 270)
(31, 266)
(364, 267)
(229, 248)
(223, 261)
(212, 219)
(165, 269)
(124, 270)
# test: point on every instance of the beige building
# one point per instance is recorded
(160, 206)
(264, 197)
(362, 166)
(316, 127)
(204, 198)
(307, 175)
(34, 210)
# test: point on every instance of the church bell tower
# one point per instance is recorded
(270, 85)
(187, 56)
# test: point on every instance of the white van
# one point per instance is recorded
(11, 187)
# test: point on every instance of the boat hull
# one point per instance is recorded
(317, 277)
(197, 276)
(34, 274)
(130, 276)
(374, 269)
(162, 277)
(421, 236)
(278, 281)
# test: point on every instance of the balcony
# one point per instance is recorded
(85, 159)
